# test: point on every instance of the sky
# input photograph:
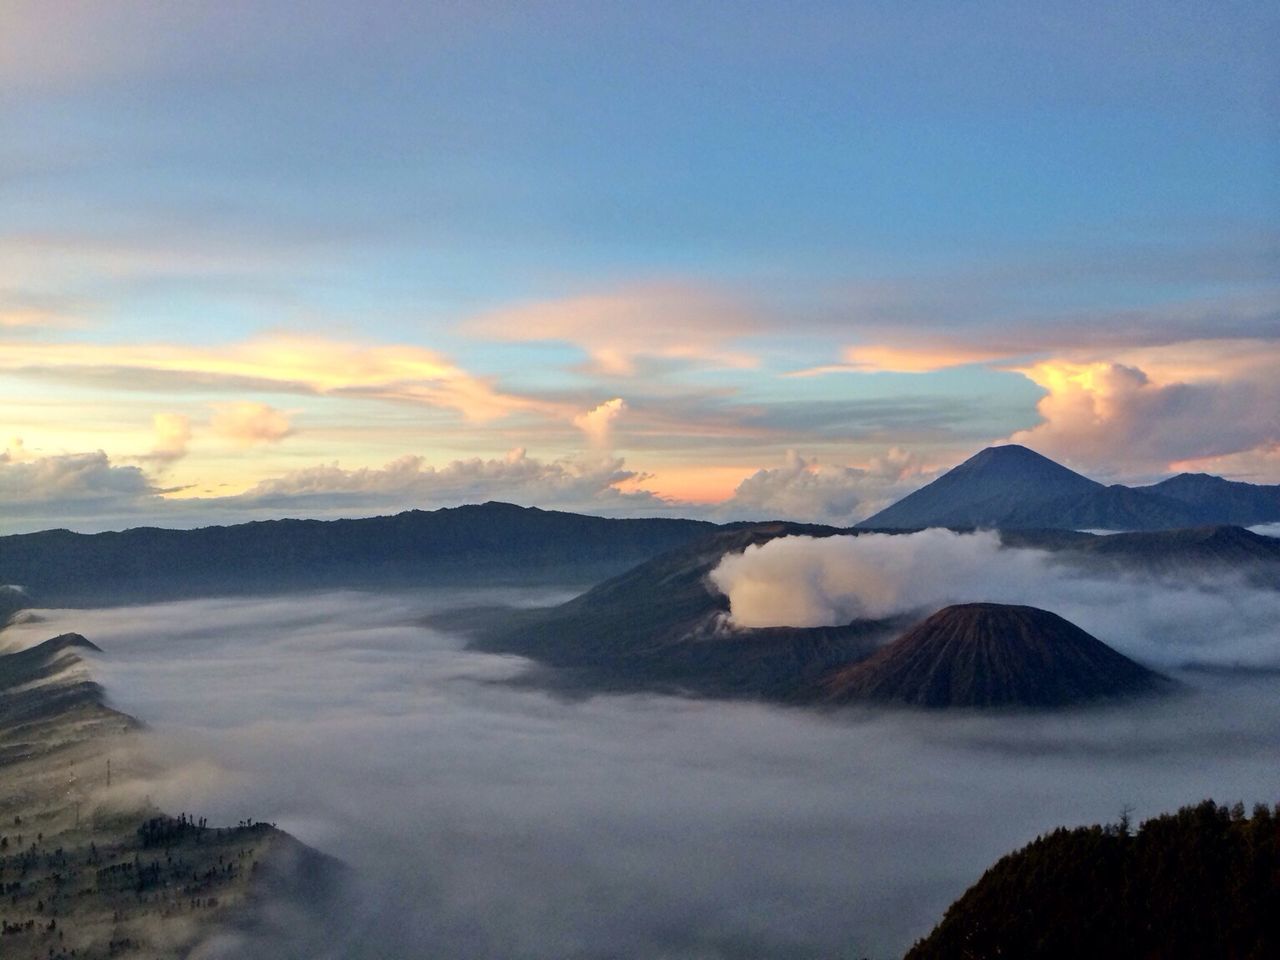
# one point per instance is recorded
(317, 259)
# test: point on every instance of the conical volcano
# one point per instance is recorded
(992, 655)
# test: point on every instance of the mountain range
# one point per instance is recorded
(1012, 487)
(496, 542)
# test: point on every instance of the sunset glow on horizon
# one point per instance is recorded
(328, 260)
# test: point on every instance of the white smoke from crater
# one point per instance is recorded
(825, 581)
(1207, 617)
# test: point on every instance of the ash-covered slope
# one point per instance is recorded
(663, 626)
(992, 655)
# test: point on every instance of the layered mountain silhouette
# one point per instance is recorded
(27, 695)
(495, 541)
(1012, 487)
(992, 655)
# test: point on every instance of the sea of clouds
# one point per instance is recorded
(488, 820)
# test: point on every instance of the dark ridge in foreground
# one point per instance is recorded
(1200, 884)
(493, 540)
(992, 655)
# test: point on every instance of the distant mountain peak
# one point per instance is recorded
(986, 490)
(1013, 487)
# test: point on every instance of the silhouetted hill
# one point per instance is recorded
(985, 490)
(1200, 884)
(662, 626)
(1216, 500)
(1184, 554)
(1011, 487)
(991, 655)
(411, 548)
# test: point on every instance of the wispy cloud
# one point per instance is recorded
(297, 364)
(621, 330)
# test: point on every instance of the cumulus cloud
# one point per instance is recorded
(72, 484)
(597, 423)
(1151, 410)
(805, 490)
(619, 329)
(808, 582)
(249, 424)
(173, 433)
(412, 482)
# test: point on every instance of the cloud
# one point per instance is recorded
(411, 482)
(73, 484)
(486, 820)
(802, 489)
(296, 364)
(597, 423)
(249, 424)
(1150, 410)
(619, 330)
(173, 433)
(809, 582)
(884, 358)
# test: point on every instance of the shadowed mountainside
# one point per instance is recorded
(1011, 487)
(662, 626)
(493, 540)
(1202, 883)
(991, 655)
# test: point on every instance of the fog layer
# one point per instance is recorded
(485, 820)
(807, 582)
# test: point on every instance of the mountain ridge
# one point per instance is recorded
(1012, 487)
(405, 549)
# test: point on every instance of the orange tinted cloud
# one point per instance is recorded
(286, 363)
(883, 358)
(250, 423)
(617, 330)
(1157, 408)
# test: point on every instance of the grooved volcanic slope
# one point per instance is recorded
(989, 655)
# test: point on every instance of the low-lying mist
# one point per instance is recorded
(485, 820)
(1214, 619)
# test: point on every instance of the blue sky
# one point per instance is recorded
(964, 222)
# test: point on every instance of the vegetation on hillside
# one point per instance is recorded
(1201, 883)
